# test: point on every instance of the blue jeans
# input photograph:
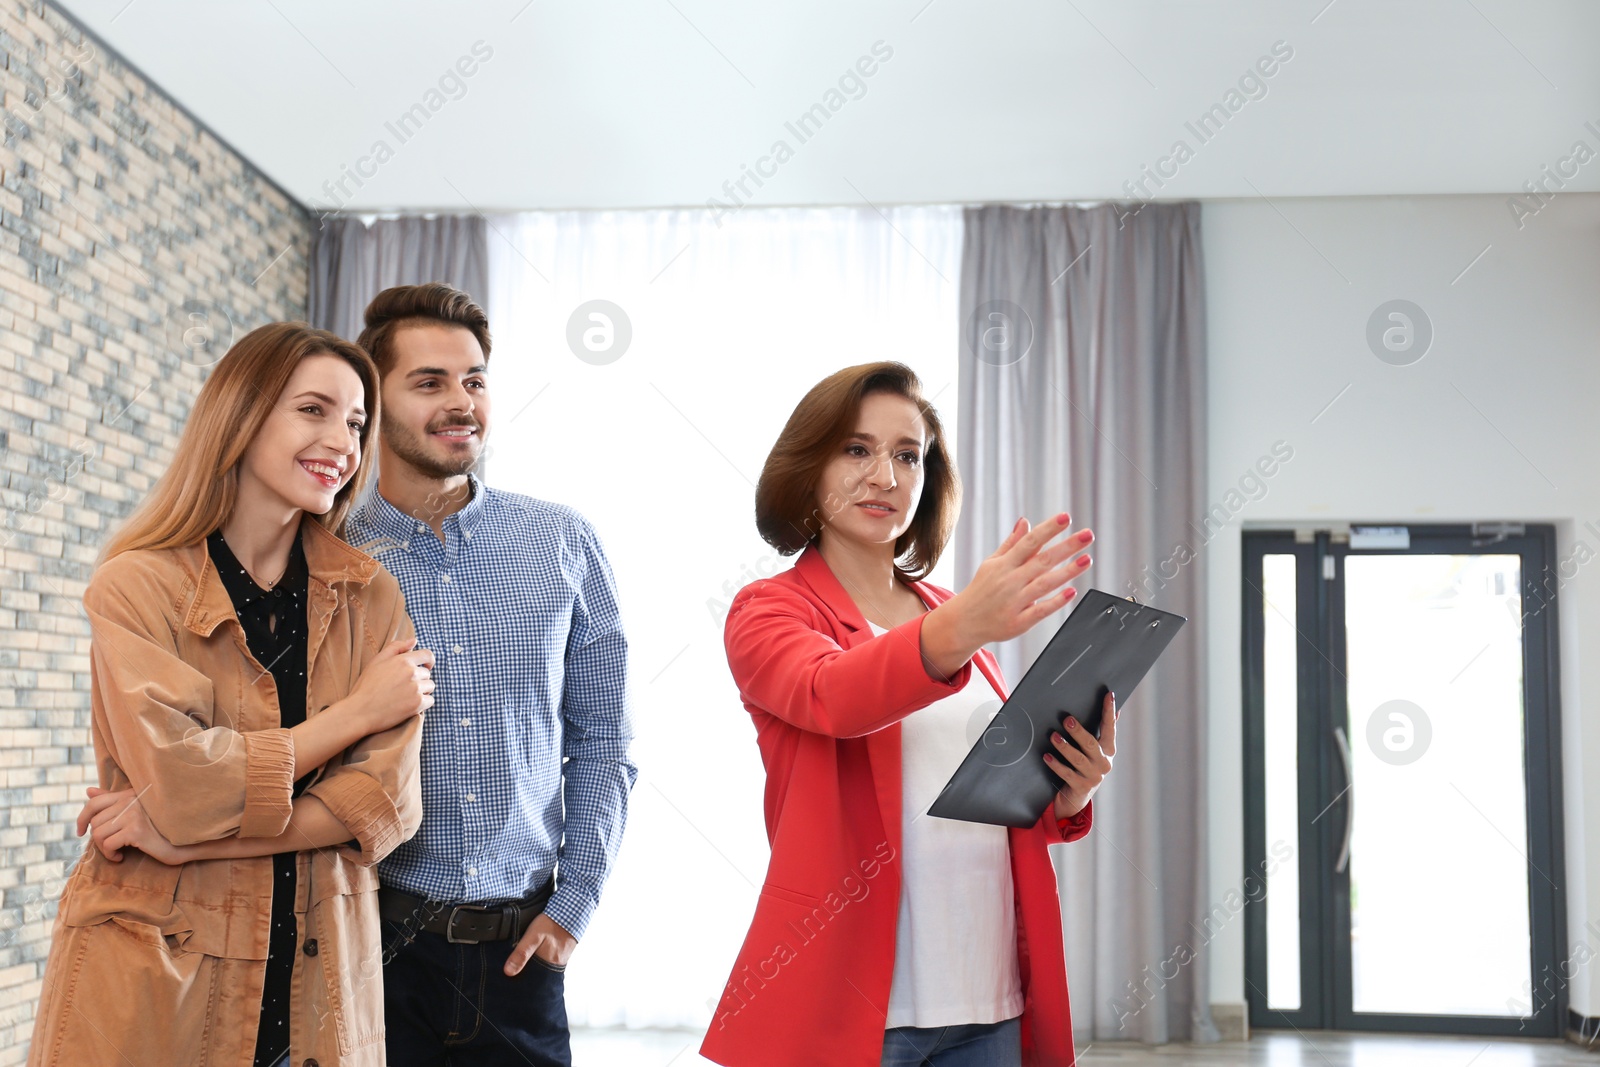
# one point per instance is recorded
(452, 1005)
(972, 1045)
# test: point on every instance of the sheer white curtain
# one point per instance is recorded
(661, 447)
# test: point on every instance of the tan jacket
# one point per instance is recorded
(158, 965)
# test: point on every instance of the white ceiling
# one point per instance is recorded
(631, 103)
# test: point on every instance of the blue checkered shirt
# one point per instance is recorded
(525, 751)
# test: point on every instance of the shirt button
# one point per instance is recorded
(420, 527)
(456, 649)
(311, 947)
(471, 797)
(468, 536)
(473, 871)
(466, 722)
(444, 577)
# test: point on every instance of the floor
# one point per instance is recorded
(677, 1048)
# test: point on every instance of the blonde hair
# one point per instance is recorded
(198, 491)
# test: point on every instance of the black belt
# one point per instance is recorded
(463, 923)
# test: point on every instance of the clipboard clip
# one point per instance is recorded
(1154, 624)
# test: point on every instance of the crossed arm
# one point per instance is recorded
(117, 821)
(191, 792)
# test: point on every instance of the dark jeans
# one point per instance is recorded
(972, 1045)
(447, 1005)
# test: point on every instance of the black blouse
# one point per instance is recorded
(274, 622)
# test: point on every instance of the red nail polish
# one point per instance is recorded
(1063, 519)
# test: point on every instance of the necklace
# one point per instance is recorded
(246, 570)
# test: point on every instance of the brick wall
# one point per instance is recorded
(133, 246)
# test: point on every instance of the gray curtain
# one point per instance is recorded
(352, 262)
(1083, 390)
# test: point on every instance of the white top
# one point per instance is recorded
(955, 946)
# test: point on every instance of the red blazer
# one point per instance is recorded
(811, 983)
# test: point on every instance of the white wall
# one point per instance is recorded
(1498, 421)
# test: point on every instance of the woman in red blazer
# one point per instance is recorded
(884, 936)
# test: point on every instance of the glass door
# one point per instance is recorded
(1402, 783)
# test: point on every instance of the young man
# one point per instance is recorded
(525, 769)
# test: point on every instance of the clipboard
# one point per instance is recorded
(1107, 644)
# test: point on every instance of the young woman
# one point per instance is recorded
(256, 709)
(883, 935)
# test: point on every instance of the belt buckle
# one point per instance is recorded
(450, 923)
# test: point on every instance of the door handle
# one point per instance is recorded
(1349, 799)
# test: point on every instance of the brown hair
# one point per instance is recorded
(198, 491)
(407, 305)
(787, 514)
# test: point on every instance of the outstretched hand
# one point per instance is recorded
(1011, 591)
(1021, 582)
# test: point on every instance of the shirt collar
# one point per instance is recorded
(813, 567)
(472, 512)
(242, 588)
(395, 527)
(329, 560)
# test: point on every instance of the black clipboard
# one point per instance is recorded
(1107, 644)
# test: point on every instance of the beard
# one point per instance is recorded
(414, 451)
